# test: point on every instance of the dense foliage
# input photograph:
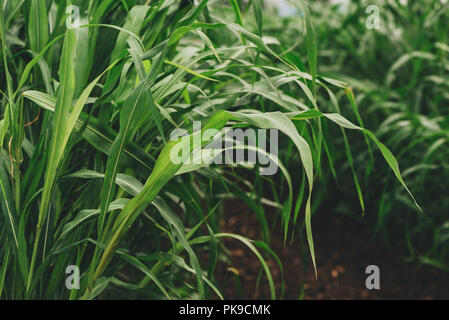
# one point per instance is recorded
(86, 177)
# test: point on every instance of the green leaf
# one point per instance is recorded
(59, 135)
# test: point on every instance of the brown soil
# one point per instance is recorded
(344, 248)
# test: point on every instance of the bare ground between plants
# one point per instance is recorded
(344, 248)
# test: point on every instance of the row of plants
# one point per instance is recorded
(400, 74)
(88, 106)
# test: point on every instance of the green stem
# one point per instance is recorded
(17, 188)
